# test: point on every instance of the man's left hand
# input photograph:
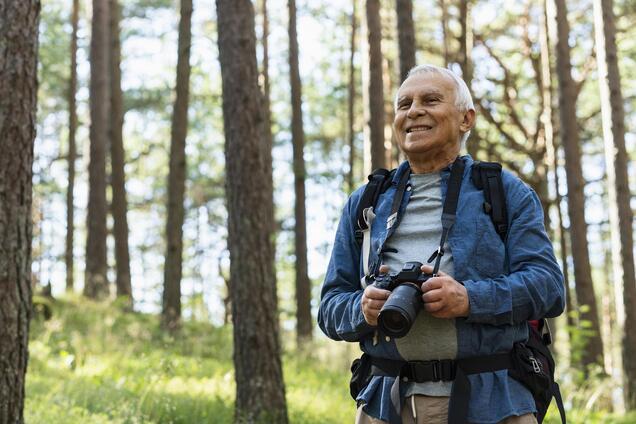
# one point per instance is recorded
(443, 296)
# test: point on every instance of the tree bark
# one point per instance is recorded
(351, 100)
(18, 98)
(547, 120)
(445, 32)
(72, 153)
(593, 351)
(465, 62)
(260, 391)
(620, 213)
(171, 311)
(267, 130)
(96, 282)
(119, 205)
(303, 285)
(406, 36)
(376, 90)
(268, 206)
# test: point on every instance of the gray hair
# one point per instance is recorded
(463, 98)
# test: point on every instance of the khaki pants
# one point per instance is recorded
(420, 409)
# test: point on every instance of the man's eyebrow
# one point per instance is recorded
(432, 92)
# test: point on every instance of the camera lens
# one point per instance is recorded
(394, 322)
(400, 310)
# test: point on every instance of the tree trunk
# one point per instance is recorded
(351, 100)
(303, 285)
(260, 391)
(171, 311)
(593, 351)
(72, 152)
(445, 32)
(620, 213)
(465, 58)
(18, 97)
(547, 120)
(118, 178)
(267, 130)
(96, 282)
(406, 36)
(376, 90)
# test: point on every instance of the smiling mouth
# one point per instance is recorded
(419, 128)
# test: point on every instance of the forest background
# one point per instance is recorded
(151, 337)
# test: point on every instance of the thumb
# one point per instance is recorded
(384, 269)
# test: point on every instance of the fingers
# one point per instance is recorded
(428, 269)
(432, 296)
(373, 299)
(432, 284)
(372, 292)
(384, 269)
(434, 307)
(374, 305)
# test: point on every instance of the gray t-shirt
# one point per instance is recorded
(416, 237)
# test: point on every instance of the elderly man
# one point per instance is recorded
(476, 303)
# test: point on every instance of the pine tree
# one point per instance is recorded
(593, 351)
(96, 282)
(72, 152)
(260, 391)
(616, 158)
(171, 312)
(376, 85)
(119, 205)
(303, 285)
(18, 97)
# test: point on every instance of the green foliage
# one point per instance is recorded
(92, 363)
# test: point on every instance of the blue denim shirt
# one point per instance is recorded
(508, 283)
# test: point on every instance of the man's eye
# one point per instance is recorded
(404, 105)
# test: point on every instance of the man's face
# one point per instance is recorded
(427, 120)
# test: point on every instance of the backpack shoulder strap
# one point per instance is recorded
(379, 181)
(487, 177)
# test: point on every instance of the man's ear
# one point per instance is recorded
(468, 121)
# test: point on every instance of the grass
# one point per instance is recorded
(90, 363)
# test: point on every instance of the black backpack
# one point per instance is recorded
(533, 364)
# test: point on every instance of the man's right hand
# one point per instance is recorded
(373, 299)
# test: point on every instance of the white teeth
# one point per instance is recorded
(423, 128)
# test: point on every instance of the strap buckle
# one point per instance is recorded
(438, 252)
(434, 370)
(437, 371)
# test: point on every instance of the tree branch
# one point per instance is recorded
(514, 144)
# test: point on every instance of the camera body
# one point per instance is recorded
(405, 301)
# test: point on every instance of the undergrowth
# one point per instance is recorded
(92, 363)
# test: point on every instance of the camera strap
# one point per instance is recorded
(449, 211)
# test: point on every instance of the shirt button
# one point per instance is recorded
(387, 338)
(408, 188)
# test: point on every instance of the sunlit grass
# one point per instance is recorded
(91, 363)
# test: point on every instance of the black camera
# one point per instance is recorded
(405, 301)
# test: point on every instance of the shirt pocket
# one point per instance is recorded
(489, 254)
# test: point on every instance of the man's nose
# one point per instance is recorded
(415, 110)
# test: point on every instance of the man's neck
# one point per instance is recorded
(427, 164)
